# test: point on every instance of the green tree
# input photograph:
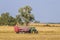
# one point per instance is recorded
(4, 18)
(18, 19)
(25, 14)
(12, 21)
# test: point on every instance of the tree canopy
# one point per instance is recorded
(24, 17)
(6, 19)
(25, 14)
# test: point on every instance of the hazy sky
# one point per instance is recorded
(43, 10)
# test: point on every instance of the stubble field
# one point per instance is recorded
(45, 33)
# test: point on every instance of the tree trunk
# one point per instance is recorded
(27, 24)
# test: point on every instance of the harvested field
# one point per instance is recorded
(14, 36)
(45, 33)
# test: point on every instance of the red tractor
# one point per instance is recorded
(25, 29)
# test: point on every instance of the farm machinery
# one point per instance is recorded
(25, 29)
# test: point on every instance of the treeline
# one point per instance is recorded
(24, 16)
(7, 19)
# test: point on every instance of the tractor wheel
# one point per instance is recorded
(29, 31)
(36, 31)
(33, 32)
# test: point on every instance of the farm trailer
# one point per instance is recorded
(18, 29)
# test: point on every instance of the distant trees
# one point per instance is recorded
(6, 19)
(24, 16)
(12, 20)
(36, 21)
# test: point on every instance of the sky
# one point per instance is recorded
(44, 10)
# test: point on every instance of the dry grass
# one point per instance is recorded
(45, 33)
(5, 29)
(14, 36)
